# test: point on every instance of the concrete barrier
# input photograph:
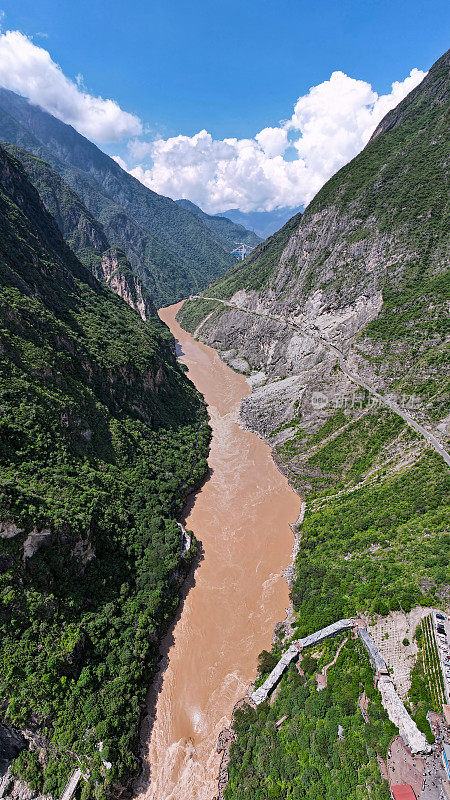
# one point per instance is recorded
(398, 714)
(375, 656)
(326, 633)
(263, 692)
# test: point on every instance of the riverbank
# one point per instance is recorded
(241, 516)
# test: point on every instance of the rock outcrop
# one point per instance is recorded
(116, 272)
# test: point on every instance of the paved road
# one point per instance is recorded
(354, 378)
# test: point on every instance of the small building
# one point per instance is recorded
(446, 710)
(446, 758)
(403, 792)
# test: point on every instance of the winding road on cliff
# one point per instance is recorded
(416, 426)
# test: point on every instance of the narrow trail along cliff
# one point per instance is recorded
(241, 516)
(435, 444)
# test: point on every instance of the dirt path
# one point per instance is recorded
(322, 676)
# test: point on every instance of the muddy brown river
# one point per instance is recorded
(241, 516)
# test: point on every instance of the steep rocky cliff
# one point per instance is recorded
(84, 234)
(115, 270)
(101, 436)
(365, 269)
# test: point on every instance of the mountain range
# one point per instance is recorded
(170, 249)
(340, 321)
(263, 223)
(228, 233)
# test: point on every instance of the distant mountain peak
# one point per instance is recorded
(227, 232)
(263, 223)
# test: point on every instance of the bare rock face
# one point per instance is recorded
(115, 270)
(84, 552)
(325, 283)
(11, 789)
(9, 529)
(34, 542)
(12, 742)
(225, 740)
(312, 302)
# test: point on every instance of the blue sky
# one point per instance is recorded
(231, 68)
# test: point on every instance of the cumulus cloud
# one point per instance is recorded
(29, 70)
(119, 160)
(280, 166)
(273, 141)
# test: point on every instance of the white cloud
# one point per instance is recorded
(280, 166)
(29, 70)
(273, 141)
(119, 161)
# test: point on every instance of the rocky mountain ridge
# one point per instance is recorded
(169, 248)
(364, 267)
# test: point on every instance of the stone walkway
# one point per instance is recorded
(71, 785)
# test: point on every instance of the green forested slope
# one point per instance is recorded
(228, 233)
(100, 436)
(83, 233)
(324, 749)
